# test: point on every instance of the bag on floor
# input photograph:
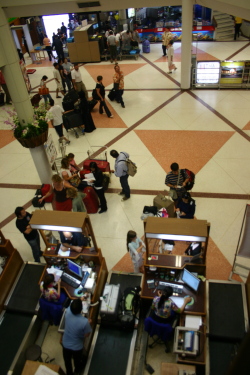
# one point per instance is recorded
(150, 210)
(111, 95)
(191, 176)
(161, 201)
(36, 203)
(129, 307)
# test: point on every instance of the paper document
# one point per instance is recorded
(56, 272)
(64, 253)
(193, 321)
(177, 300)
(44, 370)
(89, 177)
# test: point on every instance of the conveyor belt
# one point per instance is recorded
(111, 352)
(13, 328)
(27, 292)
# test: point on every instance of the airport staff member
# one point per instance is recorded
(77, 327)
(73, 240)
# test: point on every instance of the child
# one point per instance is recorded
(77, 200)
(72, 164)
(171, 65)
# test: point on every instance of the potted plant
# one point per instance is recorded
(35, 132)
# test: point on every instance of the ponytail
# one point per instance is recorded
(130, 236)
(50, 278)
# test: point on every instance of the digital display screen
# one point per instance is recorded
(191, 280)
(131, 12)
(73, 267)
(208, 72)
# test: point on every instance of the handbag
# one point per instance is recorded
(116, 86)
(43, 90)
(75, 180)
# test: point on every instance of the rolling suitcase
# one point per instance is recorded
(160, 201)
(146, 46)
(112, 95)
(71, 96)
(44, 189)
(91, 200)
(102, 164)
(1, 98)
(110, 303)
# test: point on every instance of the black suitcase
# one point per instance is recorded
(1, 98)
(68, 106)
(92, 103)
(71, 96)
(72, 119)
(112, 95)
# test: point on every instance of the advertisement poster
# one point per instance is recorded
(246, 75)
(232, 71)
(50, 150)
(208, 72)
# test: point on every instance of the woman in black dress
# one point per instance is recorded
(86, 115)
(98, 185)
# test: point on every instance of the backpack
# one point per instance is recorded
(131, 167)
(191, 176)
(94, 95)
(129, 307)
(150, 210)
(105, 181)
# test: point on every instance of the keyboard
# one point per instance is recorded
(176, 288)
(72, 281)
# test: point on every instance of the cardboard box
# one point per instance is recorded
(81, 36)
(83, 52)
(94, 51)
(72, 52)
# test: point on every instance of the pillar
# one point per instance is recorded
(186, 43)
(9, 63)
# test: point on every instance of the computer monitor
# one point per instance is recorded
(73, 267)
(191, 280)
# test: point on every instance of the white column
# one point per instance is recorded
(186, 43)
(9, 61)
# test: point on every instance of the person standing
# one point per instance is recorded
(31, 235)
(68, 67)
(111, 40)
(171, 65)
(46, 97)
(98, 185)
(57, 43)
(5, 88)
(118, 79)
(58, 80)
(64, 31)
(176, 181)
(64, 76)
(134, 247)
(77, 81)
(237, 26)
(120, 171)
(77, 328)
(47, 44)
(166, 37)
(100, 90)
(56, 112)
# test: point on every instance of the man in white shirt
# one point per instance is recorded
(77, 80)
(111, 40)
(55, 117)
(58, 80)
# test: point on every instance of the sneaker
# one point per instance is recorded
(123, 105)
(125, 199)
(121, 193)
(110, 116)
(58, 97)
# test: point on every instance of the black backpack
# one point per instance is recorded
(129, 307)
(35, 200)
(150, 210)
(191, 175)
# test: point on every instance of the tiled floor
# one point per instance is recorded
(207, 131)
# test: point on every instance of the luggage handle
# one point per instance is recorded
(89, 152)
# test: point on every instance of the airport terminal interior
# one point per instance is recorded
(204, 130)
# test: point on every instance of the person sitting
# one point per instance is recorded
(77, 200)
(193, 249)
(48, 290)
(185, 207)
(73, 241)
(72, 164)
(66, 175)
(163, 309)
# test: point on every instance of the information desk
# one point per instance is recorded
(199, 305)
(53, 252)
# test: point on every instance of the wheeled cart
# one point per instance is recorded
(73, 120)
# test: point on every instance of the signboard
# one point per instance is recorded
(232, 71)
(246, 76)
(50, 150)
(208, 72)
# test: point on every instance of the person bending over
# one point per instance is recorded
(185, 207)
(73, 241)
(47, 288)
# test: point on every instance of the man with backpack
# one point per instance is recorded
(177, 181)
(121, 171)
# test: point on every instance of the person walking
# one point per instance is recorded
(100, 90)
(77, 328)
(58, 80)
(48, 47)
(118, 79)
(112, 45)
(31, 235)
(120, 171)
(4, 87)
(56, 119)
(68, 67)
(57, 43)
(43, 86)
(171, 65)
(166, 37)
(77, 80)
(98, 185)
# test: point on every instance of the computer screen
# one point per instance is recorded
(73, 267)
(191, 280)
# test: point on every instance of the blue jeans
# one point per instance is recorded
(35, 247)
(119, 98)
(47, 98)
(125, 185)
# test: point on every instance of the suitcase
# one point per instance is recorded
(146, 46)
(44, 189)
(71, 96)
(161, 201)
(72, 119)
(102, 164)
(92, 103)
(68, 106)
(91, 200)
(112, 95)
(1, 98)
(110, 303)
(35, 100)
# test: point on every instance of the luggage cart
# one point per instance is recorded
(73, 120)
